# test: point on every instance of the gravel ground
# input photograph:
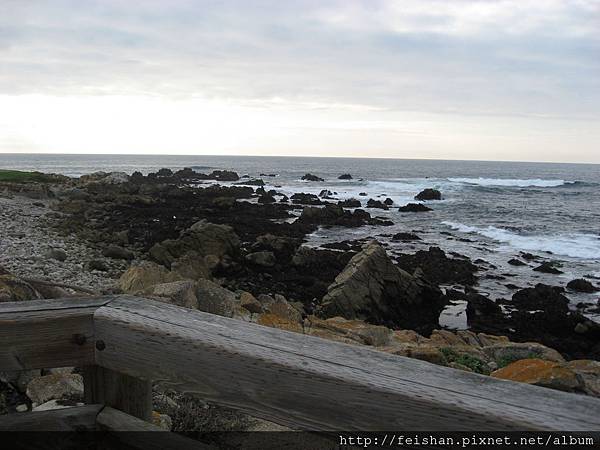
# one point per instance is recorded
(25, 242)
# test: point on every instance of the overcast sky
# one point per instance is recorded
(461, 79)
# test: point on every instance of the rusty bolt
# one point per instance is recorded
(79, 339)
(100, 345)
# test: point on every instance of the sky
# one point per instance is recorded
(447, 79)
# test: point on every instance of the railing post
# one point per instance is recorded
(118, 390)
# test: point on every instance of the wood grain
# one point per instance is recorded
(48, 333)
(79, 418)
(315, 384)
(123, 392)
(146, 436)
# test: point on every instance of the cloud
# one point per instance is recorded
(483, 58)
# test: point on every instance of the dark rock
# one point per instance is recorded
(516, 262)
(548, 267)
(203, 237)
(256, 182)
(581, 285)
(97, 264)
(414, 207)
(350, 203)
(311, 177)
(117, 252)
(405, 237)
(56, 253)
(345, 176)
(482, 310)
(541, 297)
(266, 198)
(529, 256)
(429, 194)
(306, 199)
(376, 204)
(362, 194)
(224, 175)
(263, 259)
(268, 174)
(373, 289)
(438, 267)
(325, 193)
(388, 201)
(164, 173)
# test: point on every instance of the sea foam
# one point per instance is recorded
(574, 245)
(509, 182)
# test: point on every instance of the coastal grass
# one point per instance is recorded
(18, 176)
(473, 363)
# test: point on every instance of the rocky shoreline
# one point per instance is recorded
(238, 251)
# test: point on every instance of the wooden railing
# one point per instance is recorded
(126, 343)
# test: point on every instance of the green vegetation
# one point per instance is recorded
(510, 358)
(473, 363)
(17, 176)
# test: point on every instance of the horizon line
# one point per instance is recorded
(302, 156)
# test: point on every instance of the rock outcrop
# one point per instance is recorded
(374, 289)
(429, 194)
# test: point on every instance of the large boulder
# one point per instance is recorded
(143, 276)
(215, 299)
(429, 194)
(55, 386)
(438, 267)
(582, 285)
(311, 177)
(549, 374)
(203, 238)
(373, 289)
(180, 293)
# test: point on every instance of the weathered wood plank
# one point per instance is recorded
(79, 418)
(317, 384)
(152, 437)
(123, 392)
(47, 333)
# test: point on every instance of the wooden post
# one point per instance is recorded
(118, 390)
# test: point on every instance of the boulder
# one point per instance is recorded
(203, 238)
(13, 289)
(223, 175)
(414, 207)
(215, 299)
(438, 267)
(57, 254)
(405, 237)
(55, 386)
(145, 275)
(266, 198)
(373, 289)
(194, 266)
(311, 177)
(581, 285)
(588, 372)
(429, 194)
(541, 298)
(250, 303)
(376, 204)
(306, 199)
(180, 293)
(96, 264)
(548, 267)
(345, 176)
(516, 262)
(541, 373)
(325, 193)
(117, 252)
(261, 259)
(505, 353)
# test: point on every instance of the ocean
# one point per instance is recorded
(490, 210)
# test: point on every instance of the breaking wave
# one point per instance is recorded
(574, 245)
(508, 182)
